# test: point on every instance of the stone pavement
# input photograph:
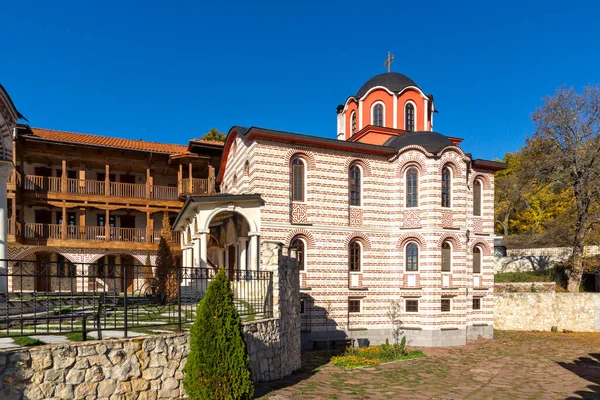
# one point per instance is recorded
(514, 365)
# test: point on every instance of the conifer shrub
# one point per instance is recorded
(218, 365)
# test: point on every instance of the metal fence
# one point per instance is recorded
(46, 297)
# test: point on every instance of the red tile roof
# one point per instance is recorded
(105, 141)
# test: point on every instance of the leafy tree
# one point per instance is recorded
(565, 149)
(214, 135)
(218, 365)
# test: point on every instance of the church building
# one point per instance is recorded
(390, 215)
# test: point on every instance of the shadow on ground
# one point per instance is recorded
(312, 361)
(588, 369)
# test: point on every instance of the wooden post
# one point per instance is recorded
(148, 183)
(14, 171)
(190, 176)
(211, 180)
(107, 184)
(180, 179)
(107, 223)
(13, 217)
(82, 223)
(63, 177)
(148, 230)
(63, 228)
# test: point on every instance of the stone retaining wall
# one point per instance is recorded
(513, 287)
(151, 367)
(537, 259)
(579, 312)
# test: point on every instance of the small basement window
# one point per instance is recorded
(477, 303)
(412, 305)
(354, 306)
(445, 305)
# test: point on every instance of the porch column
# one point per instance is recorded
(221, 258)
(148, 183)
(253, 251)
(148, 227)
(203, 247)
(197, 251)
(243, 266)
(5, 172)
(13, 218)
(82, 230)
(180, 188)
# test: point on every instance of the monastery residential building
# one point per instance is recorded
(389, 214)
(78, 198)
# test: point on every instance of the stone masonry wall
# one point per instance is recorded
(537, 259)
(137, 368)
(512, 287)
(151, 367)
(579, 312)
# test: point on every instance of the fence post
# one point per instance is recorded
(125, 321)
(179, 296)
(84, 327)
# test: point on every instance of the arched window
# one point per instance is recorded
(234, 147)
(297, 179)
(247, 168)
(377, 115)
(476, 260)
(300, 246)
(477, 197)
(412, 257)
(234, 182)
(446, 256)
(355, 256)
(446, 180)
(355, 185)
(412, 187)
(409, 117)
(353, 123)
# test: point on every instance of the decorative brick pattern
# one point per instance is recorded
(355, 216)
(299, 213)
(447, 219)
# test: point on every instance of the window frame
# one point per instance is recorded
(411, 310)
(353, 123)
(294, 165)
(374, 108)
(447, 188)
(477, 202)
(479, 258)
(451, 250)
(449, 302)
(356, 257)
(413, 128)
(300, 255)
(351, 200)
(478, 300)
(353, 310)
(406, 256)
(408, 203)
(302, 305)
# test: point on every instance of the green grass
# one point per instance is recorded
(74, 337)
(526, 276)
(26, 341)
(374, 355)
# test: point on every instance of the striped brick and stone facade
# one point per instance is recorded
(326, 223)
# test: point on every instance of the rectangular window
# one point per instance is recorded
(302, 306)
(445, 305)
(477, 198)
(354, 306)
(412, 305)
(476, 303)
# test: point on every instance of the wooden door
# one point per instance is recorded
(43, 270)
(127, 281)
(231, 266)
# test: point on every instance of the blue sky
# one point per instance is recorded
(169, 71)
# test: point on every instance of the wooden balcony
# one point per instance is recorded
(113, 189)
(57, 234)
(194, 187)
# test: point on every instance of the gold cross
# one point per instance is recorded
(389, 61)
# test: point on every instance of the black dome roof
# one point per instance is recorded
(393, 81)
(433, 142)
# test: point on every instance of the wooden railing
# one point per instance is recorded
(43, 183)
(96, 233)
(9, 226)
(175, 236)
(90, 187)
(164, 192)
(127, 190)
(193, 186)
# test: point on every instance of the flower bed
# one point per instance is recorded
(375, 355)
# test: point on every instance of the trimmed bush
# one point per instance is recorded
(218, 366)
